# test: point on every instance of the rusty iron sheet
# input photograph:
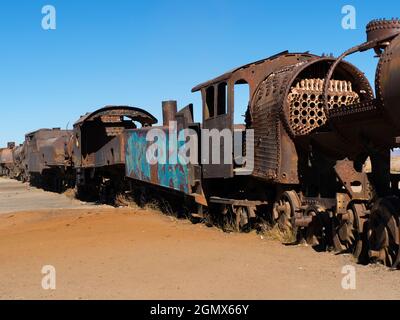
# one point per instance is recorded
(118, 111)
(6, 156)
(46, 148)
(356, 183)
(113, 153)
(169, 110)
(6, 161)
(249, 68)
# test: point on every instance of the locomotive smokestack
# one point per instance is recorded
(169, 110)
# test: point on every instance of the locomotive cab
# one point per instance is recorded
(218, 96)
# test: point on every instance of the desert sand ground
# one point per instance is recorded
(101, 252)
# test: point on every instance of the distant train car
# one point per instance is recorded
(98, 150)
(47, 161)
(7, 160)
(20, 164)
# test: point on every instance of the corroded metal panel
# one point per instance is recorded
(6, 156)
(170, 175)
(113, 153)
(46, 148)
(6, 161)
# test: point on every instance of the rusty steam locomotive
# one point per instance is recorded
(316, 121)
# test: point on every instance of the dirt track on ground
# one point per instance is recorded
(108, 253)
(16, 196)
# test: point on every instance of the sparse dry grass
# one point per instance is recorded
(70, 193)
(122, 200)
(153, 205)
(277, 234)
(161, 206)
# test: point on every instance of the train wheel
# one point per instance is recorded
(284, 210)
(383, 232)
(349, 231)
(316, 228)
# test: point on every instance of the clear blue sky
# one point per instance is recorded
(140, 53)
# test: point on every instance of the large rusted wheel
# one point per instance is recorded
(284, 210)
(383, 232)
(348, 230)
(318, 231)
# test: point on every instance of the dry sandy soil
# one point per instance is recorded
(15, 196)
(108, 253)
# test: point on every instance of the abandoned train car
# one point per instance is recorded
(47, 161)
(98, 149)
(7, 160)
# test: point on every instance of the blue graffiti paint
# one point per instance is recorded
(136, 163)
(174, 176)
